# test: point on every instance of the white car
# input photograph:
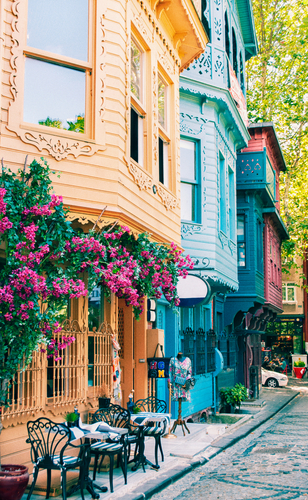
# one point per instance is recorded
(273, 379)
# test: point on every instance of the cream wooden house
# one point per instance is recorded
(92, 86)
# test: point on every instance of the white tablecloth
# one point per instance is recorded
(143, 417)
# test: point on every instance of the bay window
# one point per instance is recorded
(241, 241)
(163, 127)
(189, 180)
(138, 112)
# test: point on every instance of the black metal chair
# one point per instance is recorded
(115, 416)
(152, 404)
(49, 441)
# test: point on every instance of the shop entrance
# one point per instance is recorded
(284, 336)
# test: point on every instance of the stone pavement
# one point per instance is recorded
(184, 454)
(269, 463)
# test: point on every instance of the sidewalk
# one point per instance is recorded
(186, 453)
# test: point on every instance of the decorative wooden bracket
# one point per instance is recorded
(179, 38)
(161, 7)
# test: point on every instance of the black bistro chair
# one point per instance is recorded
(49, 442)
(152, 404)
(115, 416)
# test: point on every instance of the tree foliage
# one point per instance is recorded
(278, 92)
(44, 259)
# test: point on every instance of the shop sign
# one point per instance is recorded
(158, 367)
(193, 291)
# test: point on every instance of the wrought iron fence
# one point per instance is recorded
(189, 346)
(211, 345)
(200, 351)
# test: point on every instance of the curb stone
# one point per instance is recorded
(175, 474)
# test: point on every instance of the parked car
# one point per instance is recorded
(273, 379)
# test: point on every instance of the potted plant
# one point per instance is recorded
(233, 397)
(299, 369)
(104, 396)
(71, 418)
(225, 400)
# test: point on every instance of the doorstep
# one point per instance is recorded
(254, 404)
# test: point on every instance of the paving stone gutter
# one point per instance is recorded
(153, 486)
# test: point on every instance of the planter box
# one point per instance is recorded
(299, 371)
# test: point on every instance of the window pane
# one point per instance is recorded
(241, 254)
(95, 308)
(134, 135)
(59, 26)
(135, 76)
(284, 297)
(54, 95)
(161, 103)
(188, 160)
(291, 294)
(240, 225)
(187, 202)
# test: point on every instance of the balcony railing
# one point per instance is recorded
(254, 171)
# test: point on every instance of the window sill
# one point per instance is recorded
(64, 134)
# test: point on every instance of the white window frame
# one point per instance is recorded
(289, 286)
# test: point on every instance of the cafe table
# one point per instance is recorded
(99, 430)
(142, 419)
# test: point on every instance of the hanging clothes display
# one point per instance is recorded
(180, 370)
(116, 371)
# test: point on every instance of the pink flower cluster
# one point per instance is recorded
(2, 202)
(74, 289)
(44, 209)
(53, 347)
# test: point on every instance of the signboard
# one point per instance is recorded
(193, 290)
(158, 367)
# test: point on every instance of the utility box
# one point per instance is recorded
(254, 380)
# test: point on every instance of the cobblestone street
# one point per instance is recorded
(269, 463)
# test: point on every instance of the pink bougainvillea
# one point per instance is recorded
(45, 258)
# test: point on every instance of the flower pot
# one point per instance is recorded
(103, 402)
(299, 371)
(13, 481)
(72, 424)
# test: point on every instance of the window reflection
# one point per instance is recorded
(135, 76)
(161, 103)
(54, 95)
(96, 308)
(59, 26)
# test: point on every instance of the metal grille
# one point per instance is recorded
(26, 391)
(57, 383)
(200, 348)
(66, 377)
(232, 349)
(189, 346)
(121, 331)
(102, 356)
(211, 345)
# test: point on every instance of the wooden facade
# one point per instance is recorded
(260, 232)
(91, 148)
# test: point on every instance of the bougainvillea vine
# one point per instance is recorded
(43, 262)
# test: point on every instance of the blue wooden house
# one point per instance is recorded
(260, 232)
(213, 126)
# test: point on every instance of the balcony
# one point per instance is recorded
(254, 171)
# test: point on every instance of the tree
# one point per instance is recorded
(44, 258)
(278, 92)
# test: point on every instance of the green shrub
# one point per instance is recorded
(233, 395)
(299, 363)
